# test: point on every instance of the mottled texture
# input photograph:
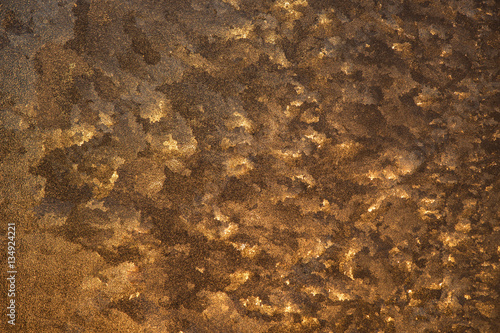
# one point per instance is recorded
(252, 166)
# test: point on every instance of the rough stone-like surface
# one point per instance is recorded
(251, 166)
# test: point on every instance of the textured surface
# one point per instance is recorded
(251, 166)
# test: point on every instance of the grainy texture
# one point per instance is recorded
(251, 166)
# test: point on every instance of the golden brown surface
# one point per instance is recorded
(251, 166)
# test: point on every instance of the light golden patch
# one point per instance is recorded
(238, 166)
(156, 110)
(238, 120)
(239, 33)
(337, 295)
(310, 248)
(254, 303)
(451, 240)
(170, 144)
(246, 250)
(316, 137)
(228, 230)
(346, 264)
(291, 7)
(463, 226)
(237, 279)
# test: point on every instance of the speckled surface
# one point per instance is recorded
(251, 166)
